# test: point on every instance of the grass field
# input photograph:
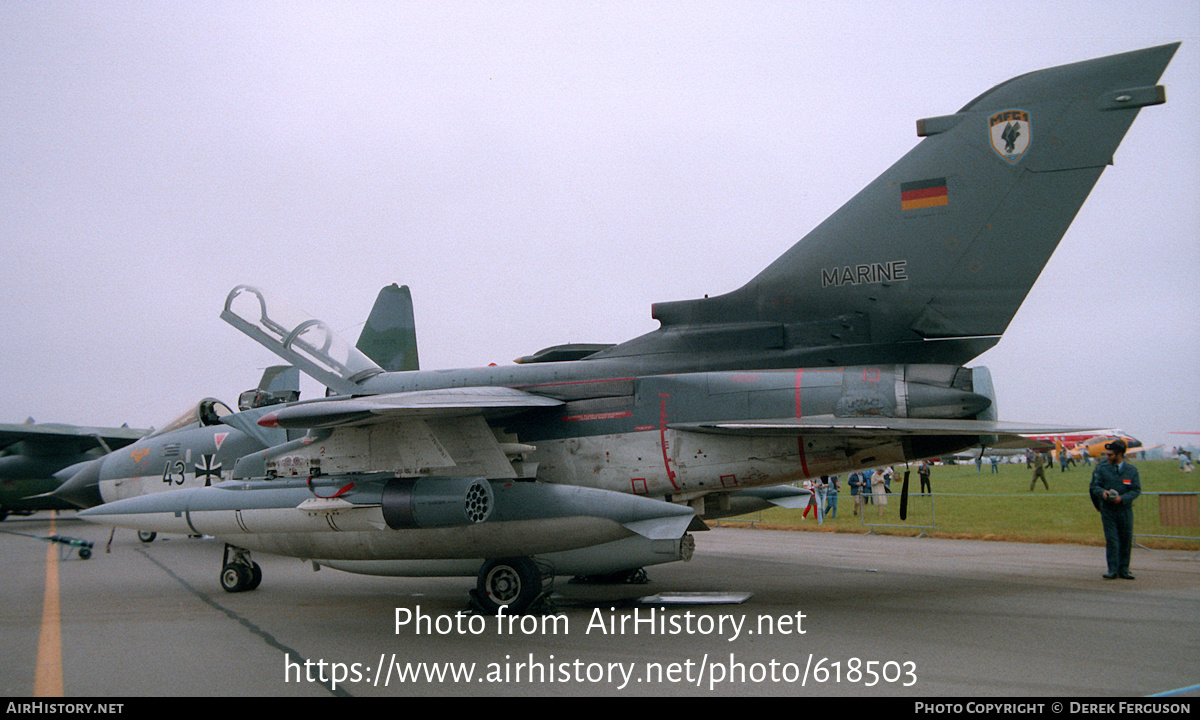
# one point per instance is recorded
(986, 506)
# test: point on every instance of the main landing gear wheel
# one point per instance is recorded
(511, 583)
(235, 577)
(147, 536)
(238, 572)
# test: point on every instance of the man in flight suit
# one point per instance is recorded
(1115, 485)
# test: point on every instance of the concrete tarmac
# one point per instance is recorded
(829, 614)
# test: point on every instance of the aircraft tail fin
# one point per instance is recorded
(930, 262)
(279, 384)
(390, 335)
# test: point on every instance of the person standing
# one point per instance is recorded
(821, 486)
(855, 482)
(831, 495)
(878, 492)
(1039, 471)
(1115, 485)
(923, 472)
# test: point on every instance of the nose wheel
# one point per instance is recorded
(238, 572)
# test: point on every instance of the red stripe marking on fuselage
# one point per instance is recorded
(662, 437)
(614, 415)
(799, 413)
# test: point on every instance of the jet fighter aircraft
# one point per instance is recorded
(847, 352)
(36, 458)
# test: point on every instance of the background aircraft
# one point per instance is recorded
(1075, 443)
(844, 353)
(1094, 446)
(34, 460)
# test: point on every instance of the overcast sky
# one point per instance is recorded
(537, 173)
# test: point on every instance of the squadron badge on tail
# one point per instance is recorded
(1010, 134)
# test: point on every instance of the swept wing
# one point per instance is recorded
(48, 434)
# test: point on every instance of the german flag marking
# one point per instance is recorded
(924, 194)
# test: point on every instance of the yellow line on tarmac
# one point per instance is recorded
(48, 677)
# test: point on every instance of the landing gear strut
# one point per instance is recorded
(238, 572)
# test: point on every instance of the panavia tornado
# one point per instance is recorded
(847, 352)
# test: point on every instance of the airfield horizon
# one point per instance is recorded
(1011, 513)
